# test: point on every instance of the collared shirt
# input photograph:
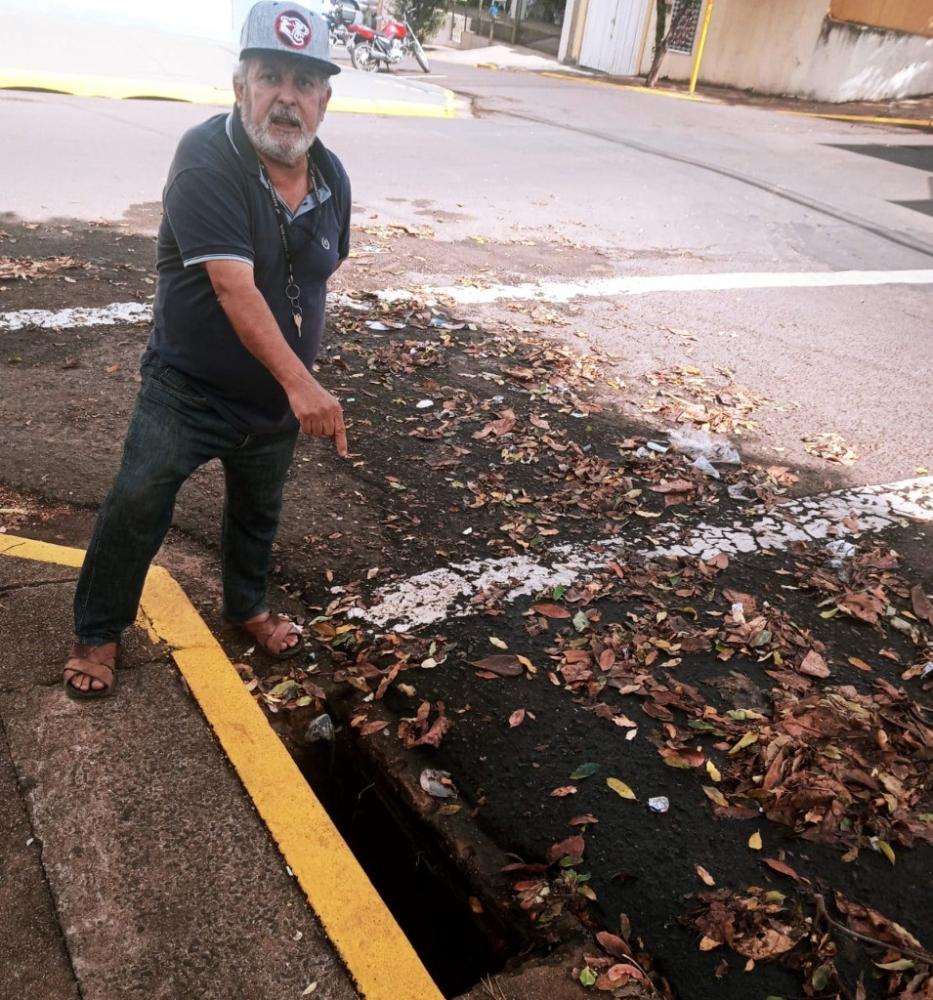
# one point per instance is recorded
(311, 199)
(217, 207)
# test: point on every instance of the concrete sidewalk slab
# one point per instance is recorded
(163, 879)
(90, 57)
(35, 961)
(906, 113)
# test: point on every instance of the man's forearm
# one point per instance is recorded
(317, 411)
(253, 322)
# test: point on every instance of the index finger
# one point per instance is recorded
(340, 440)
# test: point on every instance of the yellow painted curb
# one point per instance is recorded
(923, 123)
(593, 82)
(80, 85)
(118, 88)
(376, 952)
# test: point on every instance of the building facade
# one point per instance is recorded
(825, 50)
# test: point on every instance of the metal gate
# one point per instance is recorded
(612, 35)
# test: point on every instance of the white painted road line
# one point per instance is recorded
(65, 319)
(564, 291)
(543, 291)
(447, 592)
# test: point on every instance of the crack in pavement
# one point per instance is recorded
(8, 588)
(7, 751)
(447, 592)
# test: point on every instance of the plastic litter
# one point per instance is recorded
(425, 404)
(374, 324)
(701, 444)
(738, 613)
(659, 804)
(438, 783)
(927, 670)
(320, 730)
(737, 492)
(703, 464)
(840, 550)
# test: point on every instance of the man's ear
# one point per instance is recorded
(238, 89)
(325, 99)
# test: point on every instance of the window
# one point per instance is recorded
(683, 37)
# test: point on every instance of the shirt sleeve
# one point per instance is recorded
(208, 216)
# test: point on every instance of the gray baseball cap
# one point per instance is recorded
(273, 26)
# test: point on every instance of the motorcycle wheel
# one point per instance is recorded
(361, 56)
(420, 57)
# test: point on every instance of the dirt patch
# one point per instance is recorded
(470, 442)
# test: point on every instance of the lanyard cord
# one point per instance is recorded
(292, 290)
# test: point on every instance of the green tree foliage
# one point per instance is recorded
(424, 16)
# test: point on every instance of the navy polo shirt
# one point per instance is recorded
(216, 206)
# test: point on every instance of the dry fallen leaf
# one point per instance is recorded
(620, 788)
(715, 795)
(754, 841)
(780, 866)
(923, 608)
(705, 875)
(814, 665)
(516, 718)
(570, 847)
(551, 610)
(503, 665)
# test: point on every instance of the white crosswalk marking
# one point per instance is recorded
(446, 592)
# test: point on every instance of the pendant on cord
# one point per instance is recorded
(293, 294)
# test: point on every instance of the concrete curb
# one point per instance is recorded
(126, 88)
(373, 947)
(926, 124)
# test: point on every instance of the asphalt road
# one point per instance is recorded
(545, 180)
(604, 182)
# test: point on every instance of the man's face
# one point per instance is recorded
(282, 104)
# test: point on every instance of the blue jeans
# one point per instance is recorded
(172, 432)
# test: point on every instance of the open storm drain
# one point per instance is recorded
(455, 936)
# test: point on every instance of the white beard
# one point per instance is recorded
(285, 150)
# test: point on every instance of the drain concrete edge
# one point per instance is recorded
(373, 947)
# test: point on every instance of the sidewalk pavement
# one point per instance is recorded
(97, 58)
(909, 112)
(135, 864)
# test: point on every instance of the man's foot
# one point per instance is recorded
(277, 635)
(91, 671)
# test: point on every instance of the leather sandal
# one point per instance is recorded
(270, 634)
(97, 662)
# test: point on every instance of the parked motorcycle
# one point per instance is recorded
(372, 50)
(340, 15)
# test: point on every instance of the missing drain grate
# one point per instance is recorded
(409, 868)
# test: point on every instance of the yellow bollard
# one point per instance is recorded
(698, 58)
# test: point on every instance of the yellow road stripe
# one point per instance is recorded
(924, 123)
(80, 85)
(372, 945)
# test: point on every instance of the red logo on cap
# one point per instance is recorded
(293, 29)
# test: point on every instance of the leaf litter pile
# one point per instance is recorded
(721, 771)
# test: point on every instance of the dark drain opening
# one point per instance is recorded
(417, 880)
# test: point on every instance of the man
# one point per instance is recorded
(256, 218)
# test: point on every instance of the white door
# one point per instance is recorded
(612, 35)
